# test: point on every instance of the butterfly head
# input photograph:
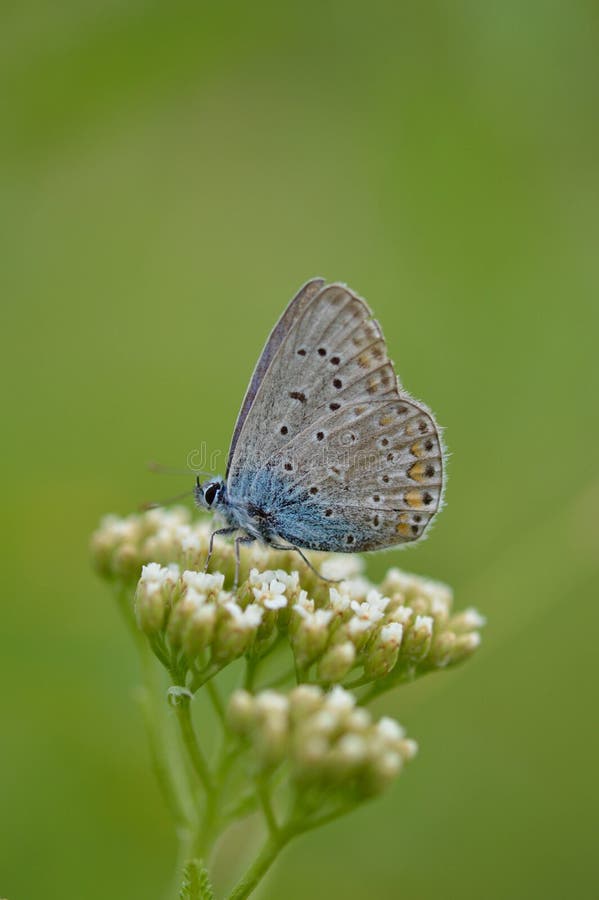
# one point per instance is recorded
(210, 493)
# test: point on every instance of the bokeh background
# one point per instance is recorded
(170, 174)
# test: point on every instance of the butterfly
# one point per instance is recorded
(329, 452)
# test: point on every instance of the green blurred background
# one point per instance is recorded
(170, 174)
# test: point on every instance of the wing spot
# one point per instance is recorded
(429, 471)
(403, 528)
(320, 435)
(385, 442)
(385, 479)
(429, 445)
(334, 406)
(376, 498)
(350, 539)
(417, 517)
(422, 426)
(337, 383)
(301, 352)
(401, 410)
(328, 512)
(390, 456)
(335, 360)
(414, 499)
(427, 499)
(284, 429)
(288, 467)
(298, 395)
(359, 410)
(414, 529)
(375, 521)
(322, 351)
(314, 490)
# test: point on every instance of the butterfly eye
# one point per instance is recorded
(210, 493)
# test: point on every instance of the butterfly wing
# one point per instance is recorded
(305, 293)
(335, 454)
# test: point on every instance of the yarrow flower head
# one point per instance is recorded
(330, 744)
(352, 630)
(314, 656)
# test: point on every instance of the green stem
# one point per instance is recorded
(261, 865)
(275, 844)
(279, 680)
(198, 760)
(265, 802)
(217, 703)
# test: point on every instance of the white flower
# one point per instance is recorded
(202, 581)
(341, 566)
(290, 580)
(247, 618)
(391, 634)
(304, 603)
(271, 594)
(357, 588)
(402, 614)
(340, 700)
(424, 623)
(314, 619)
(368, 613)
(155, 574)
(377, 601)
(390, 730)
(468, 620)
(271, 702)
(352, 747)
(339, 600)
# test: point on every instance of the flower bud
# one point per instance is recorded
(154, 595)
(199, 629)
(311, 635)
(337, 662)
(383, 653)
(468, 620)
(304, 700)
(241, 713)
(417, 639)
(235, 631)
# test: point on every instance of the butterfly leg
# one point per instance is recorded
(307, 561)
(242, 539)
(211, 544)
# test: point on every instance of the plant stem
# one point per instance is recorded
(198, 760)
(217, 703)
(265, 802)
(275, 842)
(261, 865)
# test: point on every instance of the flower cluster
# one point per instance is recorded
(330, 743)
(315, 652)
(353, 630)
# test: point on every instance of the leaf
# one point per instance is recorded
(196, 883)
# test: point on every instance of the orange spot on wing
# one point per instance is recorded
(417, 471)
(414, 499)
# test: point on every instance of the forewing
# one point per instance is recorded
(331, 346)
(277, 335)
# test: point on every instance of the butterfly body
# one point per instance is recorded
(329, 452)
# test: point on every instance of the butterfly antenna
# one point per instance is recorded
(156, 504)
